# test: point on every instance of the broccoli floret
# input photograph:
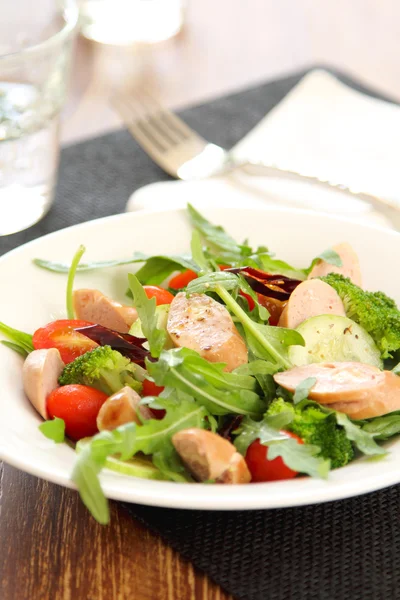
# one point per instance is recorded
(102, 368)
(314, 426)
(374, 311)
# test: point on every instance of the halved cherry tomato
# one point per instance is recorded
(182, 279)
(162, 296)
(79, 406)
(262, 469)
(151, 389)
(61, 335)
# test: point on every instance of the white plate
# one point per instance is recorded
(31, 297)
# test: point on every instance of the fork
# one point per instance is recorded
(184, 154)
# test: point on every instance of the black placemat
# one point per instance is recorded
(343, 550)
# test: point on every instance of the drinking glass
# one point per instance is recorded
(35, 52)
(122, 22)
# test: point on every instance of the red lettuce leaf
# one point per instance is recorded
(274, 286)
(128, 345)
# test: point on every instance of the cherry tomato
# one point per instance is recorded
(79, 406)
(61, 335)
(262, 469)
(182, 279)
(224, 267)
(151, 389)
(162, 296)
(273, 306)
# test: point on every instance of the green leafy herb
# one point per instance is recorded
(260, 310)
(158, 268)
(256, 367)
(70, 282)
(362, 439)
(211, 281)
(153, 437)
(303, 389)
(221, 393)
(215, 235)
(385, 427)
(299, 457)
(330, 256)
(171, 466)
(146, 309)
(20, 341)
(273, 265)
(61, 267)
(396, 369)
(54, 430)
(197, 252)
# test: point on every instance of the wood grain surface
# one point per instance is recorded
(50, 548)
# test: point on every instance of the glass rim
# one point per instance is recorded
(70, 26)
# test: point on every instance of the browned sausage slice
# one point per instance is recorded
(208, 456)
(40, 374)
(202, 324)
(310, 299)
(120, 408)
(350, 265)
(95, 307)
(358, 390)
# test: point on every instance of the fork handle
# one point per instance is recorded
(385, 206)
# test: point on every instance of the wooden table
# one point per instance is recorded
(50, 548)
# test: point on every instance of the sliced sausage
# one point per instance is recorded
(358, 390)
(120, 408)
(203, 324)
(40, 374)
(208, 456)
(310, 299)
(95, 307)
(350, 265)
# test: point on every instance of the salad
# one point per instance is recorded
(223, 366)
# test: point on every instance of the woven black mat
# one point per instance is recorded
(343, 550)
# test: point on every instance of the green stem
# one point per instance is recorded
(70, 283)
(250, 326)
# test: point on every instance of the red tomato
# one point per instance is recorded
(262, 469)
(224, 267)
(60, 334)
(151, 389)
(182, 279)
(155, 291)
(79, 406)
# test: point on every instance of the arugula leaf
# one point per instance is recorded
(303, 389)
(256, 367)
(153, 437)
(274, 266)
(146, 309)
(215, 235)
(197, 252)
(362, 439)
(61, 267)
(211, 281)
(70, 282)
(54, 430)
(21, 342)
(330, 256)
(221, 393)
(385, 427)
(299, 457)
(158, 268)
(171, 466)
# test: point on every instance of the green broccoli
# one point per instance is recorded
(374, 311)
(102, 368)
(314, 426)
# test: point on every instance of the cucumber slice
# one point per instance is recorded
(332, 338)
(137, 466)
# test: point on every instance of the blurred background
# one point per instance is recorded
(225, 45)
